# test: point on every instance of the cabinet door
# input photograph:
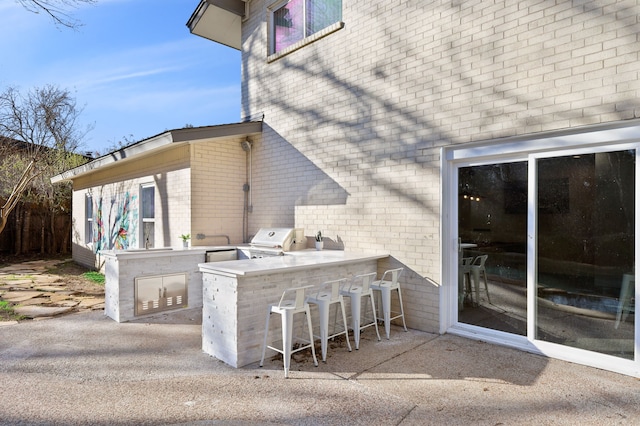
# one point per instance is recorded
(148, 294)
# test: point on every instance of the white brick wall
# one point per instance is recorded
(218, 170)
(198, 191)
(354, 121)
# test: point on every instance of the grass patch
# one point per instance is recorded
(94, 276)
(13, 277)
(7, 313)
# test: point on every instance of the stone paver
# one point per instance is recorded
(38, 294)
(42, 311)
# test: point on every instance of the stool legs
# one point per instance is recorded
(344, 323)
(476, 282)
(626, 294)
(356, 311)
(313, 349)
(266, 334)
(385, 293)
(287, 337)
(323, 313)
(355, 318)
(287, 333)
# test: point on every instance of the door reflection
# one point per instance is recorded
(492, 226)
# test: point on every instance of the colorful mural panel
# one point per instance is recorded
(116, 223)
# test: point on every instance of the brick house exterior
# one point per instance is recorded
(380, 124)
(367, 121)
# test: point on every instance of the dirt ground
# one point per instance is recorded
(58, 280)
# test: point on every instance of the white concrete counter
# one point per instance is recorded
(236, 295)
(292, 261)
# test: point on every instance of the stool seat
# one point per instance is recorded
(385, 285)
(360, 288)
(292, 302)
(323, 296)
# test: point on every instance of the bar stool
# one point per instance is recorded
(626, 295)
(360, 288)
(323, 296)
(464, 281)
(385, 286)
(477, 268)
(292, 302)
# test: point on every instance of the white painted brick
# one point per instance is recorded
(396, 75)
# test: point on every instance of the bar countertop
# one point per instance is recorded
(291, 261)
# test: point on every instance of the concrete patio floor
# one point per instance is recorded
(87, 369)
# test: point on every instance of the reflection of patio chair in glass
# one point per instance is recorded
(464, 278)
(477, 268)
(626, 295)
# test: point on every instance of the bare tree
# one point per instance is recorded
(39, 131)
(58, 10)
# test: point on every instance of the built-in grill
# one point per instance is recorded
(274, 242)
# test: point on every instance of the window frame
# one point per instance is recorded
(88, 217)
(272, 55)
(531, 147)
(143, 219)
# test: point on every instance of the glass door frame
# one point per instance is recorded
(619, 136)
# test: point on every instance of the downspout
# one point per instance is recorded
(248, 206)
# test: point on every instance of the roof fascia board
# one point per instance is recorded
(186, 135)
(195, 134)
(122, 154)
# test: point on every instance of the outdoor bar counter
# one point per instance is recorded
(236, 295)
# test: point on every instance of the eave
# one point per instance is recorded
(219, 21)
(159, 142)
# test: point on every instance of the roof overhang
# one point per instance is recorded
(220, 21)
(159, 142)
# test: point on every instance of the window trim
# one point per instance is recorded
(88, 219)
(143, 219)
(297, 45)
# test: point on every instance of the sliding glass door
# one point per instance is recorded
(492, 256)
(546, 249)
(585, 256)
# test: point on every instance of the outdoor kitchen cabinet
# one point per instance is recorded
(160, 293)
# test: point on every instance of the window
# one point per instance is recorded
(295, 20)
(88, 214)
(147, 197)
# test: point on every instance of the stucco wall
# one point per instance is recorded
(354, 122)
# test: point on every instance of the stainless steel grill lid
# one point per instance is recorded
(273, 237)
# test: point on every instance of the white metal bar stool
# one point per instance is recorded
(323, 296)
(478, 268)
(292, 302)
(385, 286)
(626, 295)
(360, 288)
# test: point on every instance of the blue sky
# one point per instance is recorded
(133, 66)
